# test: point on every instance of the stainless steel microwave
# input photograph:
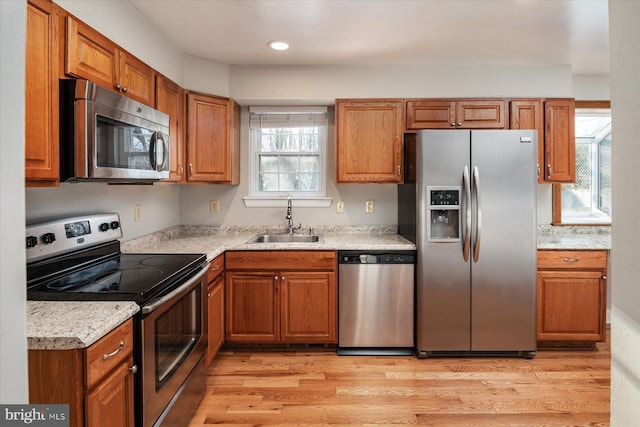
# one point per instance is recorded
(105, 136)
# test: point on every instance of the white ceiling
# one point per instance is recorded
(389, 32)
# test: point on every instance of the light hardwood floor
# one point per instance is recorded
(556, 388)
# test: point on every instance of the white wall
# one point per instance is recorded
(13, 345)
(625, 106)
(591, 87)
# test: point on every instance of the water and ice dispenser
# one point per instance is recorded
(443, 212)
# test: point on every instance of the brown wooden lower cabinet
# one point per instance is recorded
(572, 296)
(215, 307)
(98, 390)
(281, 297)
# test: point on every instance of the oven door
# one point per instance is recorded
(173, 342)
(119, 145)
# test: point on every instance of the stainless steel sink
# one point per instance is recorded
(286, 238)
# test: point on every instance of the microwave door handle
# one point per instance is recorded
(152, 151)
(165, 152)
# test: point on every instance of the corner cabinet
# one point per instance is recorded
(456, 114)
(215, 307)
(96, 382)
(572, 296)
(369, 140)
(42, 157)
(92, 56)
(281, 297)
(554, 119)
(213, 139)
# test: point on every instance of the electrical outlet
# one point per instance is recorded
(214, 206)
(137, 213)
(340, 206)
(368, 206)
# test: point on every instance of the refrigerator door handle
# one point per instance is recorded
(467, 216)
(476, 190)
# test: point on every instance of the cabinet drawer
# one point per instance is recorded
(281, 260)
(109, 352)
(572, 260)
(216, 266)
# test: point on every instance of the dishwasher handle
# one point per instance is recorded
(387, 257)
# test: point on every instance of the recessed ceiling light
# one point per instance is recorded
(278, 45)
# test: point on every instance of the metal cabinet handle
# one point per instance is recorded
(604, 277)
(190, 170)
(275, 278)
(549, 171)
(125, 89)
(180, 169)
(134, 369)
(459, 124)
(113, 353)
(571, 259)
(453, 124)
(118, 87)
(398, 170)
(215, 268)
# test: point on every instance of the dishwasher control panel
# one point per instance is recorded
(358, 257)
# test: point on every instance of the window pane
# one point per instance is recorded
(576, 198)
(308, 182)
(310, 164)
(287, 182)
(288, 164)
(268, 182)
(268, 163)
(604, 175)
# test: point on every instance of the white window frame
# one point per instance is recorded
(596, 216)
(257, 198)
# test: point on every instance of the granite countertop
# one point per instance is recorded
(213, 241)
(64, 325)
(574, 237)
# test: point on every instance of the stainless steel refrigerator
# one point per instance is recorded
(471, 211)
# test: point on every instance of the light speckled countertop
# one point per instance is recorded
(574, 237)
(213, 240)
(64, 325)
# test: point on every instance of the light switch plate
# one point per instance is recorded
(137, 213)
(214, 206)
(340, 206)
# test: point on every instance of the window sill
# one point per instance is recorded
(280, 202)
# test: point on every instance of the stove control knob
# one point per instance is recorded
(32, 241)
(104, 226)
(48, 238)
(115, 225)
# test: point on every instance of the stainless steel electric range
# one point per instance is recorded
(79, 259)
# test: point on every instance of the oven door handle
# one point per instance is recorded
(146, 309)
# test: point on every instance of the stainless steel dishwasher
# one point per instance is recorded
(376, 302)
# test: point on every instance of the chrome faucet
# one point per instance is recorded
(290, 227)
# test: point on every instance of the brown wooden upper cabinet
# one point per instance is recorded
(170, 99)
(456, 114)
(92, 56)
(42, 157)
(369, 140)
(213, 139)
(554, 119)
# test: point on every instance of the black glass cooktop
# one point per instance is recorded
(121, 277)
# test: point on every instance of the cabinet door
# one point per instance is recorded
(308, 302)
(137, 80)
(527, 114)
(369, 138)
(439, 114)
(252, 307)
(90, 55)
(215, 317)
(41, 95)
(111, 402)
(571, 306)
(480, 114)
(559, 140)
(170, 100)
(211, 152)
